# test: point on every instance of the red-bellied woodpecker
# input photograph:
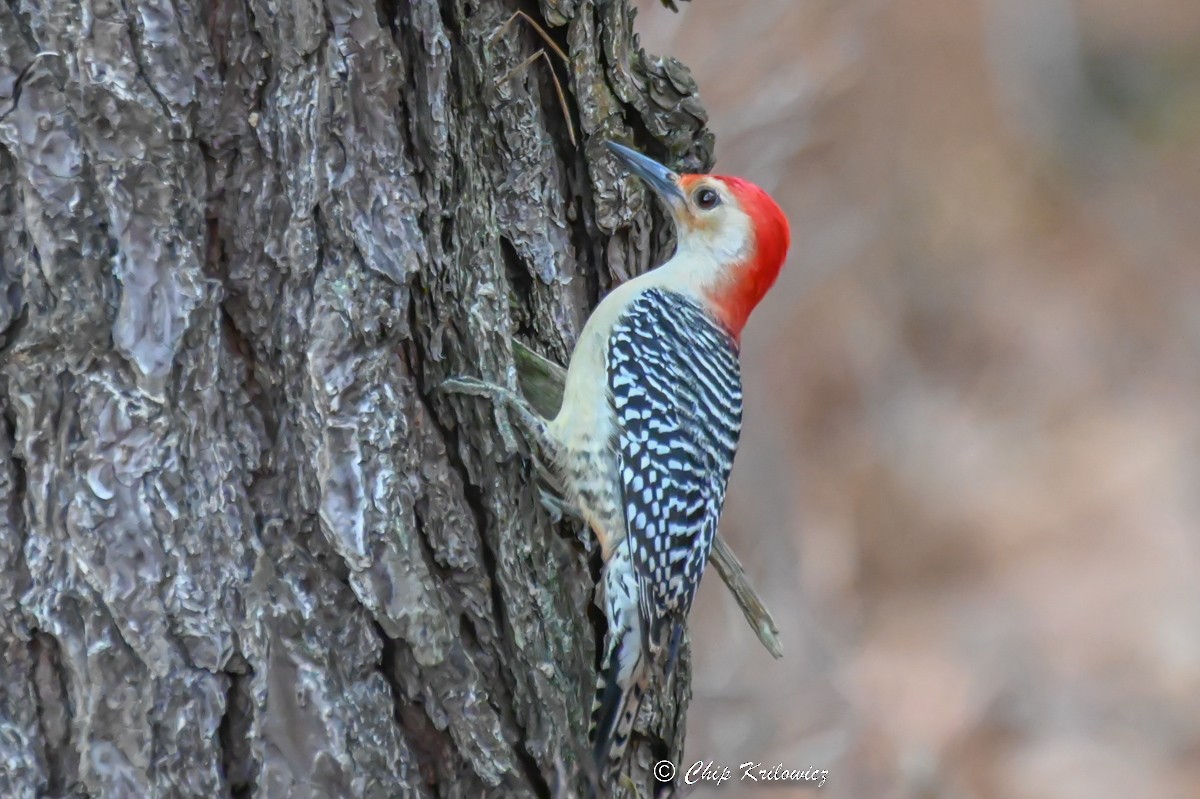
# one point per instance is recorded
(649, 425)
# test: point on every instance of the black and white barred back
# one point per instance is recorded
(677, 393)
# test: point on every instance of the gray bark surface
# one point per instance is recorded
(246, 548)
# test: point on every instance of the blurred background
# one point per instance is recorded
(969, 480)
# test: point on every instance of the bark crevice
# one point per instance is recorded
(54, 713)
(405, 713)
(235, 731)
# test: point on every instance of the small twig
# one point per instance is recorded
(538, 28)
(541, 53)
(730, 568)
(541, 381)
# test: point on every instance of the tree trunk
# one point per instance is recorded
(246, 548)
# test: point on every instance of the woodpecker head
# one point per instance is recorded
(730, 233)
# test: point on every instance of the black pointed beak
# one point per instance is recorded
(664, 182)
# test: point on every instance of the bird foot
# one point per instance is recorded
(499, 395)
(557, 507)
(472, 386)
(560, 510)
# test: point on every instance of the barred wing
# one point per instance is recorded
(677, 393)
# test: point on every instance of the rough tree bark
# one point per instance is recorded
(246, 549)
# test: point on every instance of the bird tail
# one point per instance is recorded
(613, 713)
(623, 677)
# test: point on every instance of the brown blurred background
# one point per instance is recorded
(969, 481)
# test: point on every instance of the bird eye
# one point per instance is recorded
(707, 199)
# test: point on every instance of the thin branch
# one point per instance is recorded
(537, 28)
(541, 53)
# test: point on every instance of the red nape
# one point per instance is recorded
(750, 280)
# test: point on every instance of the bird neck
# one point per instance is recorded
(728, 289)
(740, 289)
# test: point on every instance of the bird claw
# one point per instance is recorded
(506, 435)
(474, 387)
(557, 507)
(552, 505)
